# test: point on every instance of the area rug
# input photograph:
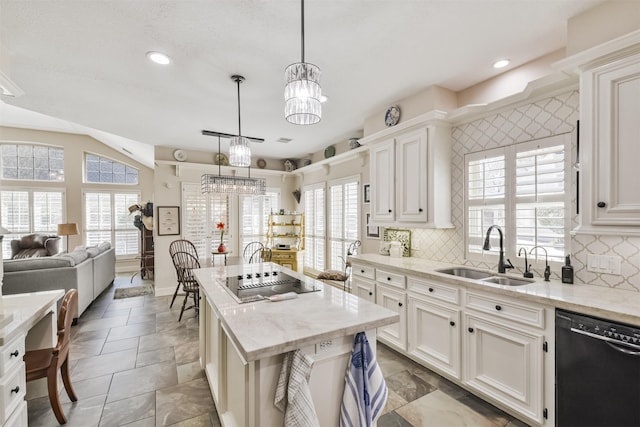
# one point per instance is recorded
(133, 291)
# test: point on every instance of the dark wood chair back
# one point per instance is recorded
(251, 249)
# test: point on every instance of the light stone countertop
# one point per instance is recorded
(613, 304)
(262, 329)
(26, 310)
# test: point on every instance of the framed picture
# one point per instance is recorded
(168, 220)
(372, 232)
(366, 193)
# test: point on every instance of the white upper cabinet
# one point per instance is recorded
(383, 196)
(609, 137)
(411, 177)
(411, 164)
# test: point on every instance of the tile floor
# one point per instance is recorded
(133, 364)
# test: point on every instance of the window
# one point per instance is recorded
(32, 162)
(343, 219)
(314, 254)
(200, 214)
(107, 218)
(27, 211)
(102, 170)
(521, 188)
(254, 216)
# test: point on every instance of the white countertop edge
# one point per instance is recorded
(223, 303)
(27, 309)
(610, 303)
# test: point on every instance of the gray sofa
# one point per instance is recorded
(90, 271)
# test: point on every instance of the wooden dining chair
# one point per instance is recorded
(260, 255)
(46, 363)
(181, 245)
(250, 249)
(185, 263)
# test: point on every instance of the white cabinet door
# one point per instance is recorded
(434, 335)
(383, 196)
(609, 148)
(617, 138)
(411, 167)
(505, 364)
(393, 299)
(364, 288)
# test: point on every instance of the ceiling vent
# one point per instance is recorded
(284, 140)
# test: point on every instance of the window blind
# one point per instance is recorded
(343, 219)
(107, 219)
(521, 188)
(314, 254)
(200, 215)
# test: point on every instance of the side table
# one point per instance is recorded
(213, 256)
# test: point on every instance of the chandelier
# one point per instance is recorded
(239, 151)
(211, 183)
(302, 91)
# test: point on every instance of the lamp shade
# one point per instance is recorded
(69, 229)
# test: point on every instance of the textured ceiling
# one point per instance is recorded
(84, 61)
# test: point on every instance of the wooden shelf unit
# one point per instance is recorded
(287, 229)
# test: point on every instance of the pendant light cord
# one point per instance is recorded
(302, 14)
(239, 128)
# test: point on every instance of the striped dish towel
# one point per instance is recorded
(365, 392)
(293, 396)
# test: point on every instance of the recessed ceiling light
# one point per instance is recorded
(324, 98)
(501, 63)
(159, 58)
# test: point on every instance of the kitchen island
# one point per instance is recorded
(242, 345)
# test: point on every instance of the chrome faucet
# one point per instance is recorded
(502, 267)
(527, 272)
(547, 269)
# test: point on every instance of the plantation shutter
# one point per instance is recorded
(486, 190)
(540, 199)
(127, 235)
(97, 218)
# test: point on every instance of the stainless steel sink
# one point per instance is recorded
(507, 281)
(466, 273)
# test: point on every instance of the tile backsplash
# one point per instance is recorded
(550, 116)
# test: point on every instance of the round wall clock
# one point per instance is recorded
(392, 116)
(180, 155)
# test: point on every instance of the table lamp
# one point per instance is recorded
(70, 229)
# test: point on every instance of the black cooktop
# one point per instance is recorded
(258, 284)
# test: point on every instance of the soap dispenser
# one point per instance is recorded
(567, 270)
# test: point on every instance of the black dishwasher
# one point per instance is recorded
(597, 372)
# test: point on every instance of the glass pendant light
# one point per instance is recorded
(239, 151)
(302, 91)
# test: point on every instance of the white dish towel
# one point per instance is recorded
(365, 391)
(293, 396)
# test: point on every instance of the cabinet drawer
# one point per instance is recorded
(11, 355)
(391, 279)
(290, 256)
(12, 391)
(19, 417)
(363, 271)
(528, 314)
(434, 290)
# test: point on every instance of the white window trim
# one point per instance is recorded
(509, 230)
(111, 193)
(31, 190)
(84, 170)
(39, 144)
(328, 209)
(312, 187)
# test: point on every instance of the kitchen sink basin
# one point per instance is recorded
(507, 281)
(466, 273)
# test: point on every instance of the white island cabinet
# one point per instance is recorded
(242, 346)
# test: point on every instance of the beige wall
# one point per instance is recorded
(602, 23)
(74, 148)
